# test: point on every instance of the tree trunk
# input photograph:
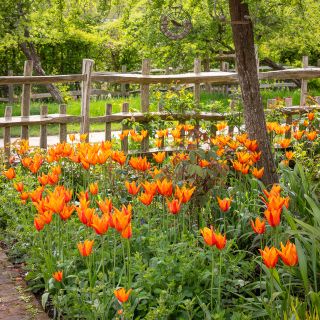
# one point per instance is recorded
(30, 52)
(242, 31)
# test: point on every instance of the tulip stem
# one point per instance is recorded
(129, 265)
(219, 283)
(114, 257)
(212, 270)
(271, 292)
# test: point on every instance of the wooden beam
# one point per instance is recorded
(87, 68)
(26, 94)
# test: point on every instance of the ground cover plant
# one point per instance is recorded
(189, 235)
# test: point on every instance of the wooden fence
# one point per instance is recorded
(144, 80)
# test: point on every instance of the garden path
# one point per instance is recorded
(16, 303)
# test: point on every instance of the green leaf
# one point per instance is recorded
(303, 266)
(44, 299)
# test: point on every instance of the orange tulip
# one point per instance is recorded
(312, 135)
(93, 188)
(85, 214)
(10, 174)
(243, 157)
(184, 194)
(139, 163)
(100, 225)
(298, 134)
(85, 248)
(221, 125)
(121, 219)
(146, 198)
(270, 257)
(122, 295)
(43, 179)
(105, 206)
(58, 275)
(164, 187)
(208, 236)
(36, 195)
(150, 187)
(310, 116)
(66, 212)
(72, 137)
(273, 216)
(285, 143)
(221, 240)
(119, 157)
(174, 206)
(38, 223)
(203, 163)
(132, 187)
(258, 226)
(83, 137)
(55, 203)
(255, 156)
(18, 186)
(127, 232)
(289, 155)
(159, 157)
(24, 196)
(258, 173)
(288, 254)
(224, 204)
(251, 145)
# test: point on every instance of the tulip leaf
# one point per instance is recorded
(44, 299)
(303, 265)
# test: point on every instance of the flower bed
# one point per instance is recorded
(191, 235)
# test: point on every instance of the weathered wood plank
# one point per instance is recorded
(304, 83)
(124, 141)
(7, 133)
(87, 68)
(145, 99)
(10, 90)
(43, 128)
(63, 126)
(37, 120)
(108, 124)
(41, 79)
(25, 102)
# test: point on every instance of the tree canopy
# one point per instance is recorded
(114, 32)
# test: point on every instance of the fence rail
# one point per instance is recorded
(145, 79)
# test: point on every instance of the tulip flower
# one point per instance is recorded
(146, 198)
(184, 194)
(150, 187)
(100, 225)
(288, 254)
(58, 276)
(224, 204)
(122, 295)
(121, 219)
(273, 216)
(159, 157)
(270, 257)
(311, 135)
(38, 223)
(258, 173)
(289, 155)
(221, 240)
(66, 212)
(285, 143)
(208, 236)
(132, 187)
(298, 134)
(105, 206)
(258, 226)
(18, 186)
(310, 116)
(164, 187)
(10, 174)
(85, 248)
(93, 188)
(174, 206)
(203, 163)
(127, 232)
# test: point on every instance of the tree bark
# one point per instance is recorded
(242, 31)
(30, 52)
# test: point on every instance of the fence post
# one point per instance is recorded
(196, 90)
(26, 95)
(317, 99)
(123, 85)
(124, 141)
(10, 90)
(288, 104)
(304, 83)
(43, 128)
(87, 67)
(63, 126)
(145, 99)
(108, 124)
(206, 67)
(7, 134)
(225, 68)
(161, 109)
